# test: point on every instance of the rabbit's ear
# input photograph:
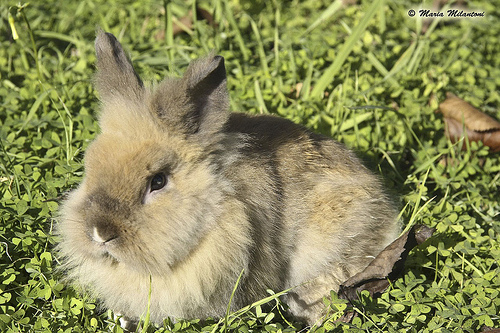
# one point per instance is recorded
(205, 82)
(205, 76)
(206, 88)
(199, 102)
(116, 77)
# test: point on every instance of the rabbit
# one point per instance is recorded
(180, 196)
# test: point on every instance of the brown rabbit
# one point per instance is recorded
(181, 195)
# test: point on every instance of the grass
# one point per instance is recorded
(365, 74)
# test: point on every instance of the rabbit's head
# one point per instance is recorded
(151, 190)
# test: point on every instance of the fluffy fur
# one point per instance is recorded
(259, 194)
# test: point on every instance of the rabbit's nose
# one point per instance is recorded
(103, 232)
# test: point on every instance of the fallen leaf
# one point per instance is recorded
(298, 88)
(460, 115)
(386, 267)
(205, 15)
(185, 24)
(490, 330)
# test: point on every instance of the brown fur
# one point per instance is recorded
(259, 194)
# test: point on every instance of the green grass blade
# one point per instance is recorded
(305, 91)
(63, 37)
(381, 69)
(401, 63)
(169, 32)
(239, 39)
(260, 98)
(417, 209)
(226, 318)
(346, 49)
(34, 109)
(325, 15)
(147, 319)
(277, 19)
(262, 52)
(354, 121)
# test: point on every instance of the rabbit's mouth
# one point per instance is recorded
(105, 244)
(109, 257)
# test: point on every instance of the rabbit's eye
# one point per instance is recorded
(158, 182)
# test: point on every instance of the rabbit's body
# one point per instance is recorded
(180, 196)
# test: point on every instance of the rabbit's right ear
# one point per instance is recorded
(116, 77)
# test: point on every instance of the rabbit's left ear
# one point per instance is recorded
(199, 102)
(205, 82)
(116, 77)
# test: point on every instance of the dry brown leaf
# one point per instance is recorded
(298, 88)
(186, 23)
(386, 267)
(182, 24)
(458, 114)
